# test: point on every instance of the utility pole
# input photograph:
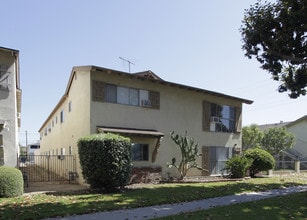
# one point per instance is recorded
(26, 138)
(128, 61)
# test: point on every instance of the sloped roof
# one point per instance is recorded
(297, 121)
(9, 49)
(150, 76)
(146, 75)
(281, 124)
(273, 125)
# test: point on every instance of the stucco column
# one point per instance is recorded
(297, 164)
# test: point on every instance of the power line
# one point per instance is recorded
(256, 85)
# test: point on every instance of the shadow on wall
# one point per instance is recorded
(4, 93)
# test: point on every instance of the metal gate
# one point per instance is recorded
(48, 168)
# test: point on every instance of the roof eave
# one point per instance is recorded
(62, 100)
(163, 82)
(296, 121)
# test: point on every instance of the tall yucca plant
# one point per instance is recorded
(189, 154)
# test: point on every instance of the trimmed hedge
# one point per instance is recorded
(105, 160)
(262, 160)
(237, 166)
(11, 182)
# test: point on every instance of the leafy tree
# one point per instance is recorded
(277, 139)
(189, 154)
(275, 33)
(251, 136)
(272, 140)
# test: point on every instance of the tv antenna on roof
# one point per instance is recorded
(128, 61)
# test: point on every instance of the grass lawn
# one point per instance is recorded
(287, 207)
(40, 206)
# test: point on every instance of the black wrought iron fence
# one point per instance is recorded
(290, 164)
(285, 164)
(303, 164)
(48, 168)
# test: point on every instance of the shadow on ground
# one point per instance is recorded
(43, 187)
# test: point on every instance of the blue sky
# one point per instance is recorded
(196, 43)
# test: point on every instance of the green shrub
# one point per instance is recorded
(11, 182)
(237, 166)
(105, 160)
(262, 160)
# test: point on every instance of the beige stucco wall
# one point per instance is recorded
(299, 129)
(8, 109)
(76, 122)
(180, 111)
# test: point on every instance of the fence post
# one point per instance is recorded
(48, 167)
(297, 166)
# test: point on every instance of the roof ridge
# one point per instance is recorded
(148, 74)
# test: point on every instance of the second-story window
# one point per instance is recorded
(221, 118)
(111, 93)
(62, 116)
(4, 77)
(69, 106)
(127, 96)
(104, 92)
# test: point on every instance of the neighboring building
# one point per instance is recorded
(299, 150)
(145, 108)
(31, 149)
(10, 106)
(299, 129)
(22, 150)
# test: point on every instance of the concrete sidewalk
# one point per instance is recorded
(172, 209)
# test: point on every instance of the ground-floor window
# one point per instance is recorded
(217, 159)
(1, 150)
(139, 152)
(1, 156)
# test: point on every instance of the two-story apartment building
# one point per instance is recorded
(298, 128)
(10, 106)
(145, 108)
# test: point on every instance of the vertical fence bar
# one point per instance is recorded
(48, 168)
